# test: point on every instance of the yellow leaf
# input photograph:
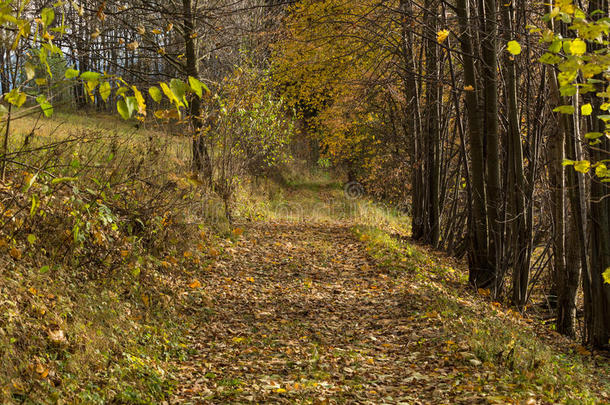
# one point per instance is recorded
(484, 292)
(280, 390)
(513, 47)
(582, 166)
(606, 276)
(250, 279)
(188, 254)
(213, 252)
(578, 47)
(469, 88)
(586, 109)
(442, 35)
(582, 350)
(195, 284)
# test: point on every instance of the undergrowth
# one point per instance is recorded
(102, 239)
(516, 356)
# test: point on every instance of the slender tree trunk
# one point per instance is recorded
(201, 158)
(519, 248)
(489, 72)
(412, 119)
(566, 271)
(432, 171)
(480, 273)
(597, 293)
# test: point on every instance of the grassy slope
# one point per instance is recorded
(94, 254)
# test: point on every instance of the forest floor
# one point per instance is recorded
(325, 309)
(314, 295)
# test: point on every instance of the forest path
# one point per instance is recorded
(301, 313)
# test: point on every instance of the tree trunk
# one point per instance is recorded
(520, 242)
(432, 135)
(412, 119)
(201, 158)
(489, 72)
(480, 271)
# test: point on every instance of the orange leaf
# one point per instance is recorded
(15, 253)
(195, 284)
(582, 350)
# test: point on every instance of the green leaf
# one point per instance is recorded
(58, 180)
(90, 76)
(156, 94)
(568, 90)
(564, 109)
(32, 239)
(121, 91)
(47, 108)
(123, 110)
(198, 86)
(16, 97)
(586, 109)
(71, 73)
(606, 275)
(555, 46)
(47, 16)
(513, 47)
(550, 59)
(105, 90)
(132, 105)
(179, 88)
(593, 135)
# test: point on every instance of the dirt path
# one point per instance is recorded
(301, 314)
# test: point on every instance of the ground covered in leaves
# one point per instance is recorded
(323, 311)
